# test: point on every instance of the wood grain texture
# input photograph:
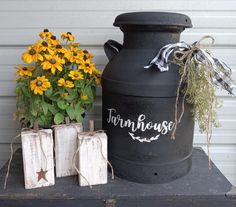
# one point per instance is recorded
(65, 148)
(92, 159)
(37, 154)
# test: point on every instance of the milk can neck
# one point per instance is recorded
(150, 39)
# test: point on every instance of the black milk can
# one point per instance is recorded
(139, 104)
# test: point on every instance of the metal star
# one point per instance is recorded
(42, 175)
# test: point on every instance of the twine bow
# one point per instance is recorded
(196, 53)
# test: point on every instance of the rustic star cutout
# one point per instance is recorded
(42, 175)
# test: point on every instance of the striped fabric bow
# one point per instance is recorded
(221, 72)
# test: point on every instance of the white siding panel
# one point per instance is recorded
(97, 36)
(122, 6)
(91, 22)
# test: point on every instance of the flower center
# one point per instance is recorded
(69, 33)
(39, 83)
(58, 46)
(76, 75)
(45, 30)
(86, 64)
(45, 44)
(52, 61)
(74, 54)
(24, 68)
(53, 37)
(32, 52)
(85, 51)
(85, 58)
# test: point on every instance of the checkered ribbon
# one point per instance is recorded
(221, 72)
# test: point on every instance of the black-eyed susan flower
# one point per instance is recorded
(74, 55)
(69, 84)
(87, 66)
(53, 63)
(76, 75)
(39, 85)
(53, 40)
(60, 49)
(45, 34)
(61, 82)
(44, 46)
(65, 83)
(87, 55)
(74, 44)
(25, 70)
(83, 97)
(67, 36)
(33, 54)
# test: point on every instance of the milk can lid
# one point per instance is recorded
(153, 19)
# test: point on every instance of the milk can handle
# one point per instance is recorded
(112, 48)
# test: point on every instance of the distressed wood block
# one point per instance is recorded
(38, 164)
(65, 148)
(92, 159)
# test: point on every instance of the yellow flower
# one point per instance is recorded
(87, 66)
(68, 36)
(69, 84)
(64, 83)
(45, 47)
(74, 55)
(83, 97)
(76, 75)
(33, 54)
(45, 34)
(39, 85)
(25, 71)
(87, 55)
(53, 63)
(61, 82)
(53, 40)
(61, 49)
(74, 44)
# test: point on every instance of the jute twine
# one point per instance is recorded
(39, 133)
(91, 134)
(186, 58)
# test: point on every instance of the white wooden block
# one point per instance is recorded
(92, 161)
(65, 148)
(38, 153)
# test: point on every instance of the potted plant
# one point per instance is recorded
(57, 84)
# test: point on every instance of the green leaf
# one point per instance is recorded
(33, 112)
(72, 92)
(52, 109)
(58, 118)
(62, 104)
(79, 109)
(71, 112)
(89, 92)
(48, 92)
(79, 118)
(45, 107)
(25, 91)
